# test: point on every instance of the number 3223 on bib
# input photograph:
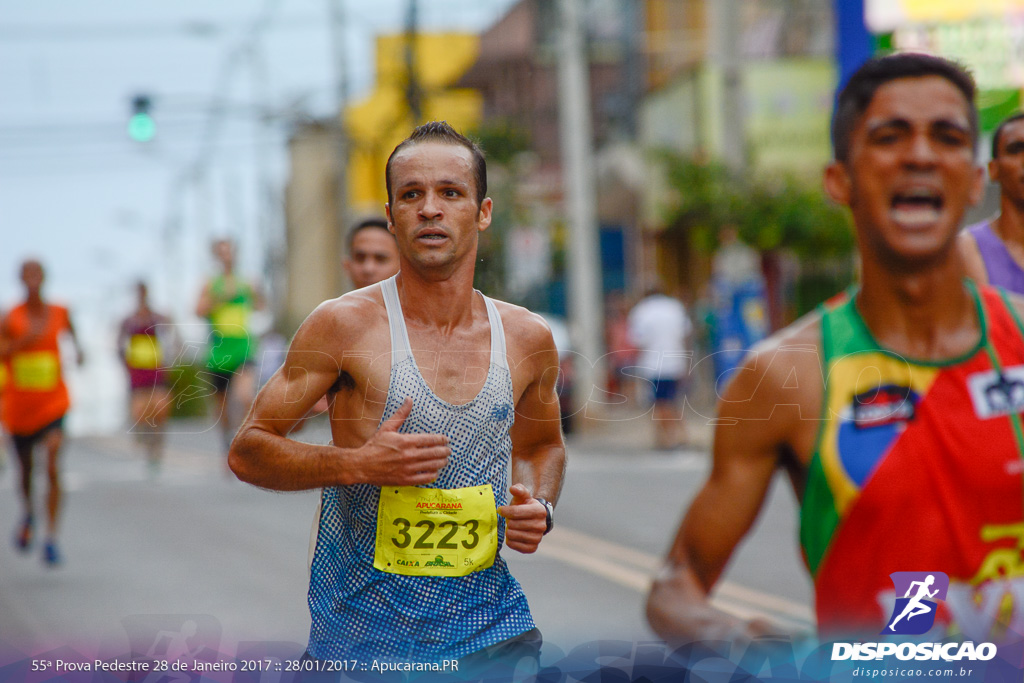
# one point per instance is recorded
(436, 532)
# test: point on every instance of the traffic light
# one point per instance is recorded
(141, 126)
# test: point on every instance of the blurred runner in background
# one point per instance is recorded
(3, 384)
(621, 352)
(993, 249)
(142, 341)
(659, 328)
(36, 399)
(372, 252)
(227, 301)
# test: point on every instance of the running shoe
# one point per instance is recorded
(51, 556)
(23, 537)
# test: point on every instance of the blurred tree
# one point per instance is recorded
(771, 215)
(502, 141)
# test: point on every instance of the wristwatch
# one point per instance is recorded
(550, 509)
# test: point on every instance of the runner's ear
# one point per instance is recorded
(837, 182)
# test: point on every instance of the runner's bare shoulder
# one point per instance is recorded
(349, 322)
(526, 332)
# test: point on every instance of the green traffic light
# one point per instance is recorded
(141, 127)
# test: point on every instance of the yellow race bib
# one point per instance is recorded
(230, 319)
(143, 352)
(36, 370)
(436, 532)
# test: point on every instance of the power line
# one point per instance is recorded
(128, 32)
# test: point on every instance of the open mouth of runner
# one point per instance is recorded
(916, 207)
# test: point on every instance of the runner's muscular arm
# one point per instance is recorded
(261, 453)
(122, 342)
(538, 450)
(79, 351)
(745, 455)
(5, 337)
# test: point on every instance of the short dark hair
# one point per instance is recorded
(441, 131)
(856, 95)
(373, 222)
(999, 131)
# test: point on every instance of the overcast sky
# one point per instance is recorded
(96, 207)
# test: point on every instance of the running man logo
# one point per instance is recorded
(914, 613)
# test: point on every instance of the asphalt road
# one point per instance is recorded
(195, 552)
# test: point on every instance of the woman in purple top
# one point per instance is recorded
(993, 250)
(139, 341)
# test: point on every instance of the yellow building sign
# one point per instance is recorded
(885, 16)
(381, 120)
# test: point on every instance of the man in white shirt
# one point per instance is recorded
(659, 327)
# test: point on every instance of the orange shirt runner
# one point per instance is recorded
(35, 394)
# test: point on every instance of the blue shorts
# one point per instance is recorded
(665, 389)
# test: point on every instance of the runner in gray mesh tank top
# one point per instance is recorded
(361, 612)
(446, 432)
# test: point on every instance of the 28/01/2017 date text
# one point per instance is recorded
(329, 665)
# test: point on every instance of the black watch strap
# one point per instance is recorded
(550, 509)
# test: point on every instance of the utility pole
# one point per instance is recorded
(725, 15)
(578, 180)
(413, 91)
(338, 24)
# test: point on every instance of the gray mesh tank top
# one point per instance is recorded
(359, 612)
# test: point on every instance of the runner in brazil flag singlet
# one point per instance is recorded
(900, 441)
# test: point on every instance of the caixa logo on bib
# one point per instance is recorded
(914, 613)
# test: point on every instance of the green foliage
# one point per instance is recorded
(501, 140)
(775, 213)
(490, 268)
